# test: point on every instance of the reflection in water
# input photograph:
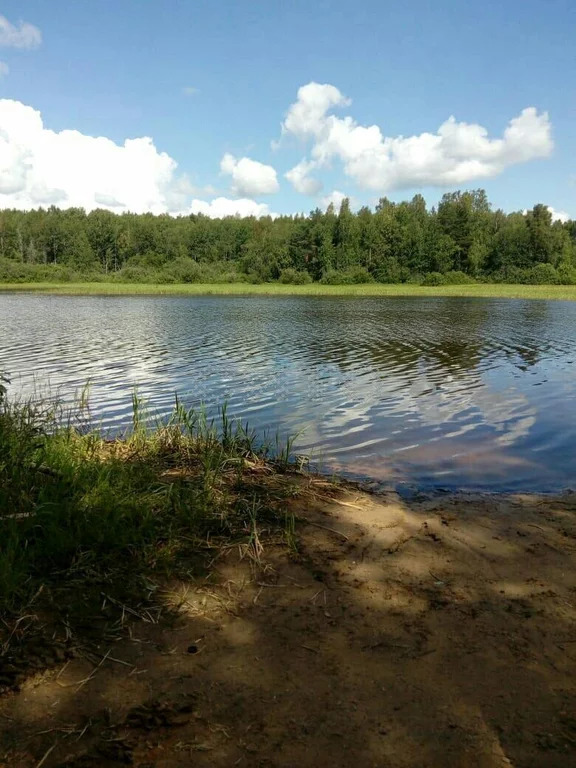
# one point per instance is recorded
(452, 392)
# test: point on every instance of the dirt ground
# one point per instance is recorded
(438, 632)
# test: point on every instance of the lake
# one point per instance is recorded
(411, 392)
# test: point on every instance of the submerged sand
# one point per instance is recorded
(437, 632)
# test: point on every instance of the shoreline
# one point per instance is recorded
(478, 290)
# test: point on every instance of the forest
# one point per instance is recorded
(462, 239)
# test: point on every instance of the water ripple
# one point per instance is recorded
(457, 392)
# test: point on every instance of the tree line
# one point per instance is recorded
(462, 239)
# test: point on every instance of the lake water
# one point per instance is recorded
(422, 392)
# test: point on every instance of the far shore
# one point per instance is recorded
(478, 290)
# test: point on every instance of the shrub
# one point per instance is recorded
(539, 274)
(13, 271)
(434, 278)
(542, 274)
(334, 277)
(350, 276)
(18, 272)
(254, 278)
(514, 275)
(184, 270)
(359, 275)
(391, 272)
(231, 276)
(133, 274)
(566, 274)
(294, 277)
(56, 273)
(456, 277)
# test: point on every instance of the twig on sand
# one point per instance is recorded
(83, 731)
(325, 528)
(347, 504)
(386, 644)
(62, 669)
(313, 598)
(81, 683)
(47, 755)
(145, 616)
(120, 661)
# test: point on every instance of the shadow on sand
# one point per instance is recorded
(433, 633)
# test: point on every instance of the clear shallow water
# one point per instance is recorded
(445, 392)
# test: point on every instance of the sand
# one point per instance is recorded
(436, 632)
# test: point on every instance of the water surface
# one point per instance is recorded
(444, 392)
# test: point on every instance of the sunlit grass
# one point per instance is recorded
(82, 514)
(565, 292)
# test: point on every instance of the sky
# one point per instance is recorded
(261, 107)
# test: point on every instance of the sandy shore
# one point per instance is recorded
(434, 633)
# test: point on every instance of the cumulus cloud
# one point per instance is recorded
(40, 167)
(457, 153)
(221, 207)
(21, 35)
(309, 111)
(249, 177)
(301, 180)
(67, 168)
(334, 198)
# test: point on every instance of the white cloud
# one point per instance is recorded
(249, 177)
(4, 68)
(221, 207)
(180, 192)
(42, 167)
(301, 181)
(334, 198)
(559, 215)
(455, 154)
(21, 35)
(308, 112)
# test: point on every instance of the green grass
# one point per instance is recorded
(565, 292)
(89, 525)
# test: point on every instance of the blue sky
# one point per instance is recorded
(210, 78)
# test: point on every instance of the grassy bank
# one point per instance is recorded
(482, 290)
(87, 524)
